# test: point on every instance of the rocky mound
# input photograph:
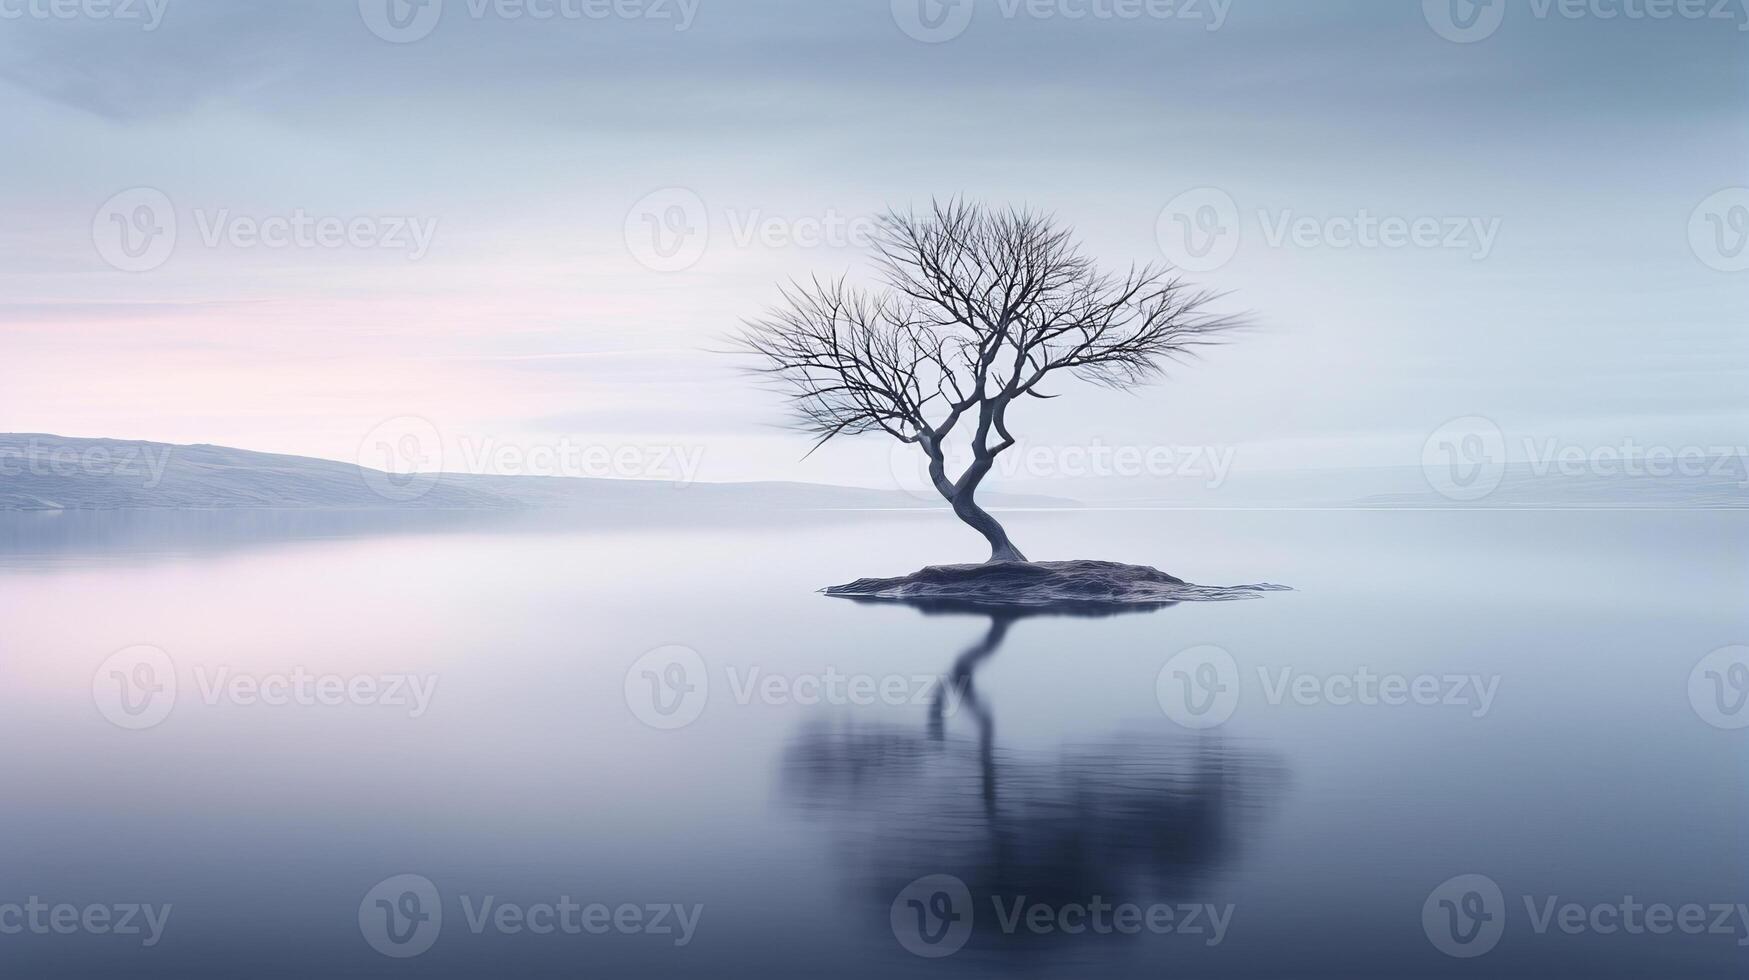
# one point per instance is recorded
(1043, 585)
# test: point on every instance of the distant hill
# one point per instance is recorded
(46, 472)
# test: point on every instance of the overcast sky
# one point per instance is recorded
(527, 223)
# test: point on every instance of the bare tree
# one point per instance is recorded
(981, 308)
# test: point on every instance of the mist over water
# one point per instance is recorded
(820, 758)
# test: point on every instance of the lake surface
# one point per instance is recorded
(613, 746)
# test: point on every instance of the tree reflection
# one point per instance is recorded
(1138, 816)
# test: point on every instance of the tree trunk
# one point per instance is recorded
(960, 497)
(1001, 549)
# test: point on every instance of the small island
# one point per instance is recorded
(1042, 585)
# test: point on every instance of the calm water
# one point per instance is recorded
(534, 717)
